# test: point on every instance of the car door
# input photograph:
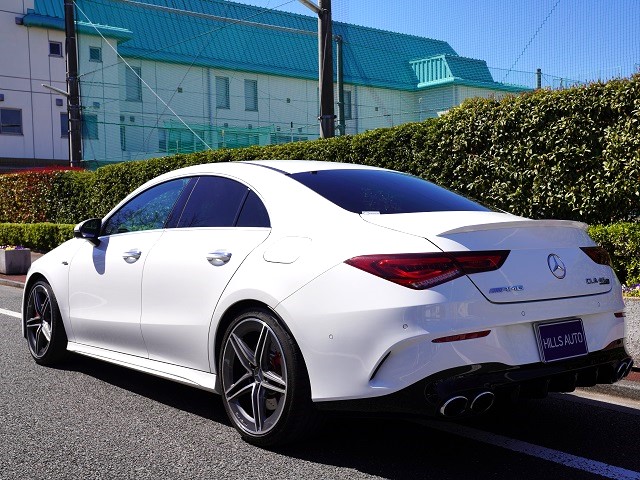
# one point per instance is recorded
(189, 267)
(105, 279)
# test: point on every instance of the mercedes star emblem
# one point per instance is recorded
(556, 266)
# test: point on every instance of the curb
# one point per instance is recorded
(11, 283)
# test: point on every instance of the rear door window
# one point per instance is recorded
(214, 202)
(222, 202)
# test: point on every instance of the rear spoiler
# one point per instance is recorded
(516, 224)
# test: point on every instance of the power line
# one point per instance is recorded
(532, 38)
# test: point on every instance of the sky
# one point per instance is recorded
(576, 40)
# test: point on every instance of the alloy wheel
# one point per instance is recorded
(39, 321)
(254, 376)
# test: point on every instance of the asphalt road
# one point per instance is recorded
(87, 419)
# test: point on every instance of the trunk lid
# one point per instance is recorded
(545, 260)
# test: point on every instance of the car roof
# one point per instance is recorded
(299, 166)
(239, 168)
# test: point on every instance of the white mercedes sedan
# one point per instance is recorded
(292, 287)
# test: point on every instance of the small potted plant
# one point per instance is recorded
(14, 259)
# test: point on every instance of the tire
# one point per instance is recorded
(265, 386)
(46, 336)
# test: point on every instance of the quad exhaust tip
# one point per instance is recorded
(623, 369)
(459, 404)
(629, 368)
(482, 402)
(454, 406)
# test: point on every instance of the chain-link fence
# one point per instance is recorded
(159, 77)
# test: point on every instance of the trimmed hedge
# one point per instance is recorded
(57, 196)
(40, 237)
(572, 154)
(622, 241)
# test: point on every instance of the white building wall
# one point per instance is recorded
(130, 130)
(433, 102)
(25, 65)
(470, 92)
(379, 107)
(99, 91)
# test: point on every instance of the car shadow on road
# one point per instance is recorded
(394, 448)
(189, 399)
(386, 447)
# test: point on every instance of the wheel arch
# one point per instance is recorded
(35, 277)
(230, 314)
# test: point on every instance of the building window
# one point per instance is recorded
(347, 105)
(133, 84)
(251, 95)
(222, 92)
(64, 125)
(10, 121)
(55, 49)
(123, 138)
(95, 54)
(90, 126)
(162, 140)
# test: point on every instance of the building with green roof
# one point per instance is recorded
(165, 76)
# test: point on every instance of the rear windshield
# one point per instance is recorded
(383, 191)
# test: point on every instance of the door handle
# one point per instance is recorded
(218, 258)
(132, 256)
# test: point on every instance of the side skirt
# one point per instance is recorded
(187, 376)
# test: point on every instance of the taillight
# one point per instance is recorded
(598, 255)
(425, 270)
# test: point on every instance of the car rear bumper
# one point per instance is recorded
(363, 337)
(431, 395)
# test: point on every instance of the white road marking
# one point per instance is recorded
(10, 313)
(556, 456)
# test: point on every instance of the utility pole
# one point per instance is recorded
(340, 84)
(538, 78)
(325, 63)
(73, 99)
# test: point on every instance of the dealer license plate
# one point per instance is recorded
(561, 340)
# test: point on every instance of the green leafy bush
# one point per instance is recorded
(622, 241)
(44, 195)
(572, 154)
(40, 237)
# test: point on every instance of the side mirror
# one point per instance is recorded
(89, 230)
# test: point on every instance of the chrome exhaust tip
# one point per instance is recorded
(622, 370)
(482, 402)
(629, 368)
(454, 407)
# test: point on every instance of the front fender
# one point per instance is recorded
(53, 267)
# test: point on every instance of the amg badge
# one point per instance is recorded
(512, 288)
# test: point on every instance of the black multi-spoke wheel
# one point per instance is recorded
(45, 332)
(264, 383)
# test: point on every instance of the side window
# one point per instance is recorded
(253, 213)
(214, 202)
(147, 211)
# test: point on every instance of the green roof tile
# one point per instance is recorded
(371, 57)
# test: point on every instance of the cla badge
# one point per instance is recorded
(556, 266)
